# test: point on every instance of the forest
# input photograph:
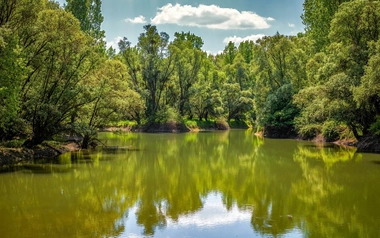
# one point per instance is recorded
(57, 77)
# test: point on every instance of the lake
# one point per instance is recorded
(207, 184)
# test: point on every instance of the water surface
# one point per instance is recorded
(215, 184)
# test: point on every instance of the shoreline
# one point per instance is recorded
(14, 156)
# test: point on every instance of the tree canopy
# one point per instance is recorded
(58, 78)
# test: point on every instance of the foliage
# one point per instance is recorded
(167, 114)
(187, 63)
(343, 73)
(13, 143)
(12, 71)
(88, 12)
(150, 66)
(56, 76)
(279, 108)
(317, 19)
(330, 131)
(59, 61)
(375, 127)
(197, 124)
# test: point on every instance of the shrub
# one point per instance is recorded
(308, 132)
(13, 143)
(221, 124)
(330, 131)
(375, 127)
(167, 114)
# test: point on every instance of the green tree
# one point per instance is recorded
(245, 48)
(12, 72)
(88, 12)
(150, 65)
(367, 94)
(107, 88)
(317, 17)
(59, 58)
(277, 60)
(188, 59)
(236, 102)
(229, 53)
(354, 29)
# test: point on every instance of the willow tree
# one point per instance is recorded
(59, 58)
(17, 19)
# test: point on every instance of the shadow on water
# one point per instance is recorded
(323, 145)
(46, 168)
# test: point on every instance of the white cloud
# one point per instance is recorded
(137, 20)
(291, 25)
(209, 16)
(114, 43)
(238, 40)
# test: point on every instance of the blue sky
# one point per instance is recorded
(217, 22)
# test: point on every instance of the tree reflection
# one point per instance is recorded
(284, 184)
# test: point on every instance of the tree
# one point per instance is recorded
(12, 71)
(60, 57)
(150, 65)
(367, 94)
(317, 18)
(187, 62)
(236, 102)
(189, 39)
(354, 29)
(107, 89)
(89, 14)
(7, 9)
(229, 53)
(277, 77)
(246, 50)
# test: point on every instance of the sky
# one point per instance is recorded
(216, 22)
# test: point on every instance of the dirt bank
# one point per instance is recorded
(13, 156)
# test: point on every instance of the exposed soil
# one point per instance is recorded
(13, 156)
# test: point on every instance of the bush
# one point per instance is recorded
(192, 124)
(330, 131)
(309, 132)
(239, 124)
(167, 114)
(197, 124)
(221, 124)
(13, 143)
(375, 127)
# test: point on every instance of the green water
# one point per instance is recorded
(216, 184)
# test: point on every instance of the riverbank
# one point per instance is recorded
(52, 149)
(13, 156)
